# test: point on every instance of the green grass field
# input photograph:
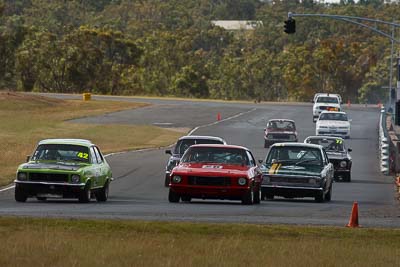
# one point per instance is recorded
(57, 242)
(26, 119)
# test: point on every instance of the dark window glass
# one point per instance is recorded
(61, 152)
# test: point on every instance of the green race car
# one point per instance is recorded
(66, 168)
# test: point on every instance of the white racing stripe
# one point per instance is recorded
(146, 149)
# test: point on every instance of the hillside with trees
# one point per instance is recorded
(171, 48)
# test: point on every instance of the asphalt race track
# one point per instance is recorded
(138, 191)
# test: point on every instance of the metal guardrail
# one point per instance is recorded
(383, 143)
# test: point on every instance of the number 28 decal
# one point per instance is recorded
(83, 155)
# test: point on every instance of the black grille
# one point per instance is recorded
(280, 136)
(335, 163)
(289, 180)
(48, 177)
(216, 181)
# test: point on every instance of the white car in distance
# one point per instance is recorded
(333, 123)
(323, 102)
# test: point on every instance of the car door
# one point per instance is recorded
(329, 166)
(95, 169)
(256, 170)
(102, 166)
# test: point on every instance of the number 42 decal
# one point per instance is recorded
(83, 155)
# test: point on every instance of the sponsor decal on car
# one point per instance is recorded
(212, 167)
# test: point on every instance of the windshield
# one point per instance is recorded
(184, 144)
(216, 155)
(281, 125)
(60, 152)
(329, 144)
(294, 155)
(332, 116)
(327, 99)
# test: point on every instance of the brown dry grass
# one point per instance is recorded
(46, 242)
(25, 119)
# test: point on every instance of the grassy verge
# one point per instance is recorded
(56, 242)
(26, 119)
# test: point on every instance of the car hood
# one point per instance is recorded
(53, 166)
(303, 170)
(333, 123)
(213, 169)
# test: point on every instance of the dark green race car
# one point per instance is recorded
(297, 170)
(66, 168)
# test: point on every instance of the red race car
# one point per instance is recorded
(279, 131)
(216, 172)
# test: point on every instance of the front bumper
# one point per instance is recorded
(291, 191)
(210, 192)
(327, 132)
(65, 190)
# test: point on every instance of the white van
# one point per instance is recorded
(328, 102)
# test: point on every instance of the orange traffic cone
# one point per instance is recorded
(218, 116)
(353, 222)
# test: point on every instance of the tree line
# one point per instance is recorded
(171, 48)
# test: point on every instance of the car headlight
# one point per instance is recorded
(343, 164)
(242, 181)
(312, 181)
(22, 176)
(266, 179)
(176, 179)
(292, 137)
(75, 178)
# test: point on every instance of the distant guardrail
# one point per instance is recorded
(383, 143)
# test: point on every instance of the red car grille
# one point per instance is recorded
(48, 177)
(210, 181)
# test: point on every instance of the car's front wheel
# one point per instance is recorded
(248, 198)
(320, 197)
(257, 196)
(347, 177)
(328, 196)
(102, 194)
(173, 197)
(84, 196)
(20, 195)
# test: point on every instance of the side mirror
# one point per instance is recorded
(28, 158)
(265, 129)
(260, 161)
(349, 149)
(168, 151)
(312, 101)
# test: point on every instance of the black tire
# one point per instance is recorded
(257, 196)
(266, 144)
(84, 195)
(102, 194)
(173, 197)
(248, 198)
(166, 181)
(320, 197)
(186, 198)
(328, 196)
(263, 195)
(347, 177)
(19, 194)
(41, 198)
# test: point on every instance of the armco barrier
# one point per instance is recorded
(384, 144)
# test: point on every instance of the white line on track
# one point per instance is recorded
(146, 149)
(7, 188)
